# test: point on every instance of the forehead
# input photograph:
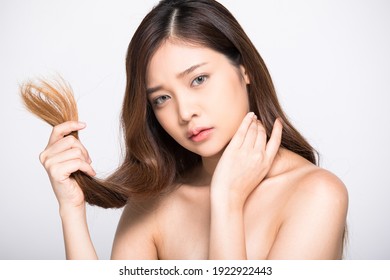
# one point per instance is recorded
(175, 57)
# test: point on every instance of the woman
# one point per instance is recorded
(208, 172)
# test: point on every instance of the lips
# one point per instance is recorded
(199, 134)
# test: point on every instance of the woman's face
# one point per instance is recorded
(198, 96)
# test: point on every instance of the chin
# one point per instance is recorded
(208, 149)
(209, 152)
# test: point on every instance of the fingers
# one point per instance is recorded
(61, 165)
(65, 155)
(240, 135)
(61, 130)
(275, 140)
(256, 137)
(62, 145)
(252, 134)
(61, 171)
(261, 137)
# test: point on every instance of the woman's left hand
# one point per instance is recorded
(246, 160)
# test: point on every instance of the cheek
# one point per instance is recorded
(233, 99)
(167, 122)
(162, 119)
(233, 107)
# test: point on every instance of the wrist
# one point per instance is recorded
(67, 211)
(226, 201)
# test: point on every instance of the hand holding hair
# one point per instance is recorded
(65, 159)
(62, 157)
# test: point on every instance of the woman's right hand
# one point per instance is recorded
(63, 156)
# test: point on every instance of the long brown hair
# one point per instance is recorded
(153, 161)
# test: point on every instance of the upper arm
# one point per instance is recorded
(315, 220)
(134, 238)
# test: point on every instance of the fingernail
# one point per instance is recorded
(82, 123)
(251, 114)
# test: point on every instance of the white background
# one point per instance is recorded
(330, 61)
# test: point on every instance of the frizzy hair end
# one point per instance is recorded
(53, 101)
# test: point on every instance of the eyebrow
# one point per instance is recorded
(180, 75)
(190, 69)
(153, 89)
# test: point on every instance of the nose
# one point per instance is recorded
(188, 108)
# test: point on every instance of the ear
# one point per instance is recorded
(244, 74)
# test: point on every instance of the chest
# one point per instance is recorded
(184, 231)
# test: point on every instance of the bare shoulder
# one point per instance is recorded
(317, 186)
(142, 225)
(298, 183)
(314, 217)
(134, 237)
(324, 182)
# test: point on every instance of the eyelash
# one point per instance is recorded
(161, 99)
(204, 79)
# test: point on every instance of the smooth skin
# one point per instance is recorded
(250, 199)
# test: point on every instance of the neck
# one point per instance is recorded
(280, 164)
(208, 166)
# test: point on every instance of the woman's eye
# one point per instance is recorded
(199, 80)
(161, 99)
